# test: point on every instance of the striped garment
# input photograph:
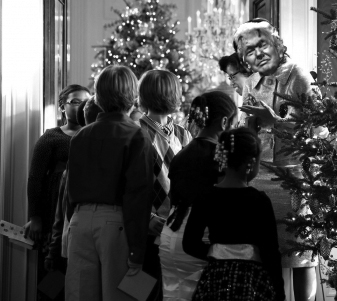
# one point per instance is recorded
(167, 141)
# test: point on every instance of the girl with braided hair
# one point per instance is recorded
(49, 160)
(244, 262)
(192, 172)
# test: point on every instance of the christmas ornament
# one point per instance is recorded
(296, 200)
(314, 206)
(283, 110)
(314, 169)
(315, 235)
(305, 186)
(325, 248)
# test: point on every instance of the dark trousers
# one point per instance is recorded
(152, 266)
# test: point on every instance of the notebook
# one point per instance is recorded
(138, 286)
(52, 284)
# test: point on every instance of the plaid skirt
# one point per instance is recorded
(234, 280)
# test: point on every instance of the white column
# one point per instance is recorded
(21, 66)
(299, 31)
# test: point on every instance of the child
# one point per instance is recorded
(110, 180)
(86, 114)
(160, 95)
(193, 171)
(244, 262)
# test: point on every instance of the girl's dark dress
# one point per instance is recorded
(236, 216)
(48, 163)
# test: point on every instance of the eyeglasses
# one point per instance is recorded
(232, 76)
(74, 102)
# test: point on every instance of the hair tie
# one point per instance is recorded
(198, 114)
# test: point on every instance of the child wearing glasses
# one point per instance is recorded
(48, 163)
(160, 95)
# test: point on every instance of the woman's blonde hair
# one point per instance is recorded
(116, 89)
(262, 28)
(160, 91)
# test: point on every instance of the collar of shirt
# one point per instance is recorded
(282, 74)
(113, 116)
(167, 129)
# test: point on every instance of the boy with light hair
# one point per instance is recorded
(110, 183)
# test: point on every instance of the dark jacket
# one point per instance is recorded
(111, 162)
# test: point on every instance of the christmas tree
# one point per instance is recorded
(144, 38)
(314, 143)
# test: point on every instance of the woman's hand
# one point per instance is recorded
(33, 229)
(266, 115)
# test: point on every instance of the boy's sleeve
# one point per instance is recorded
(137, 200)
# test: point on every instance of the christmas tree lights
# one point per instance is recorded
(144, 38)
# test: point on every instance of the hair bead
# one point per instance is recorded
(232, 143)
(221, 155)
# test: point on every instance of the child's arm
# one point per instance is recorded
(56, 240)
(194, 232)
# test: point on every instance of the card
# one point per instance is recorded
(21, 244)
(14, 232)
(52, 284)
(138, 286)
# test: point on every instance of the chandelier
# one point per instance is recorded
(209, 41)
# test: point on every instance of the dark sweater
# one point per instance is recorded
(192, 170)
(236, 216)
(48, 163)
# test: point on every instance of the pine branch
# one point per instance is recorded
(324, 14)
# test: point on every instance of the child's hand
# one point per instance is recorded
(156, 225)
(50, 264)
(134, 268)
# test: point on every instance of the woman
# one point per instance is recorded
(237, 74)
(48, 163)
(244, 262)
(261, 49)
(192, 172)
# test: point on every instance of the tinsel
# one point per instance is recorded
(296, 200)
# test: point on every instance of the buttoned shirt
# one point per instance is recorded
(111, 162)
(289, 79)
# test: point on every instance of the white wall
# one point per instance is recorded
(299, 31)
